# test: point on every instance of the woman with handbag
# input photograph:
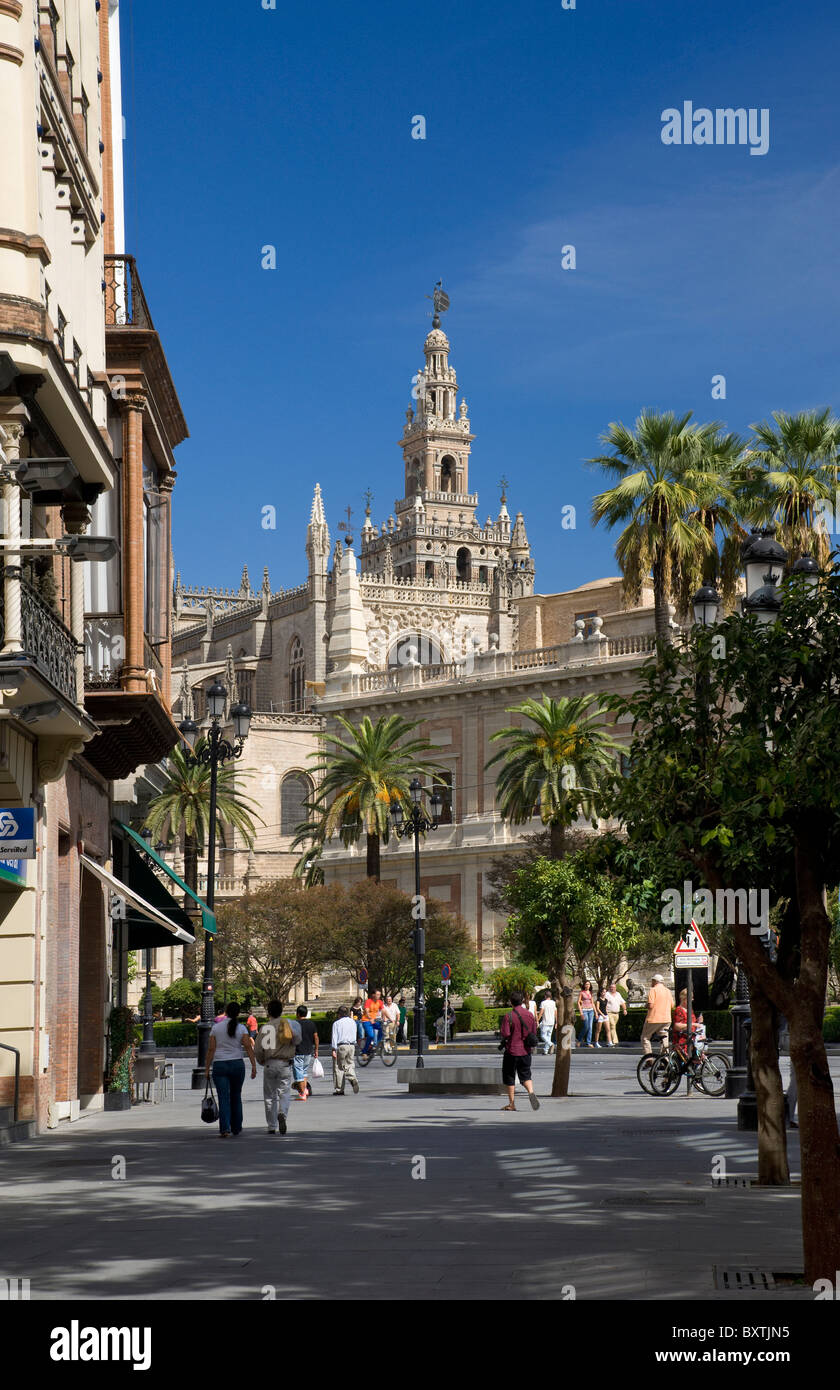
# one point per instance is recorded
(229, 1041)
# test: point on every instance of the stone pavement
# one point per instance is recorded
(609, 1191)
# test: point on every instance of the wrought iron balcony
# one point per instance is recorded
(125, 302)
(45, 640)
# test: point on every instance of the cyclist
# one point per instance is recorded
(372, 1021)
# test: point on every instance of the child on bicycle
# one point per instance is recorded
(681, 1023)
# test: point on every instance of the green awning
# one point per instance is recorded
(208, 919)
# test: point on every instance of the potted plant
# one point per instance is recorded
(121, 1070)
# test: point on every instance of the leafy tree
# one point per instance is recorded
(790, 475)
(554, 765)
(181, 812)
(734, 770)
(559, 915)
(359, 775)
(270, 939)
(374, 932)
(181, 998)
(658, 497)
(519, 976)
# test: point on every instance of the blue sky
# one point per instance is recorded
(292, 128)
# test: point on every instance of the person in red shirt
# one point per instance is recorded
(681, 1022)
(516, 1060)
(251, 1025)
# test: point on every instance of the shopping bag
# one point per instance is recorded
(209, 1108)
(317, 1070)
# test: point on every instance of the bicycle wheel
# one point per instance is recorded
(665, 1075)
(363, 1058)
(646, 1061)
(711, 1073)
(388, 1054)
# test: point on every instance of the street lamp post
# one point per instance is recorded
(148, 1043)
(215, 750)
(417, 824)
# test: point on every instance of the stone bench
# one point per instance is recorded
(455, 1080)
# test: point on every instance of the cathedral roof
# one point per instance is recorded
(436, 341)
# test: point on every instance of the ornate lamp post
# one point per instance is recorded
(417, 824)
(215, 750)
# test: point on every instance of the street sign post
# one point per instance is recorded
(363, 976)
(446, 976)
(691, 953)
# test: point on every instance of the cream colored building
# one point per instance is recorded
(433, 615)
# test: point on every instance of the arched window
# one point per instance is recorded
(447, 474)
(482, 574)
(462, 560)
(430, 569)
(297, 675)
(295, 790)
(425, 651)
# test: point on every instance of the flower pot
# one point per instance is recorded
(117, 1100)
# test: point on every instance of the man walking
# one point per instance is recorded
(516, 1027)
(343, 1042)
(275, 1049)
(546, 1019)
(660, 1004)
(615, 1006)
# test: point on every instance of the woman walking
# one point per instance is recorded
(227, 1058)
(601, 1020)
(586, 1005)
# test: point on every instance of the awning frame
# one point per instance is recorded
(134, 900)
(208, 917)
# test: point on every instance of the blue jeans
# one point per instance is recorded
(588, 1016)
(229, 1078)
(370, 1030)
(545, 1031)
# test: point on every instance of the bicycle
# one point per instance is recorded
(385, 1049)
(705, 1070)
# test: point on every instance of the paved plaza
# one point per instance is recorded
(609, 1191)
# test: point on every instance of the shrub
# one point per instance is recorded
(121, 1070)
(831, 1026)
(473, 1005)
(522, 977)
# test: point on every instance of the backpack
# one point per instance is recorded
(529, 1039)
(275, 1041)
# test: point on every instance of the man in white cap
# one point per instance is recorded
(660, 1004)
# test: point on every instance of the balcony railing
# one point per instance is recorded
(104, 652)
(46, 640)
(125, 302)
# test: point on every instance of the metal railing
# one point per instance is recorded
(45, 638)
(125, 302)
(104, 650)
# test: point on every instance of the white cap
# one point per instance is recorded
(660, 978)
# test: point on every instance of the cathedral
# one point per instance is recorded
(432, 614)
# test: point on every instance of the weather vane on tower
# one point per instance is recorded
(346, 526)
(440, 301)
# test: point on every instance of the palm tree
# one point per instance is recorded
(791, 467)
(657, 496)
(182, 808)
(359, 776)
(716, 477)
(554, 766)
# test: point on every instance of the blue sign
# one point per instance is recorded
(363, 976)
(13, 870)
(17, 832)
(445, 973)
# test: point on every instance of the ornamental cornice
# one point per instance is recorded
(69, 152)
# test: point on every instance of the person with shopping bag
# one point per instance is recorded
(229, 1042)
(275, 1050)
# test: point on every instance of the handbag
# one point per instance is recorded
(317, 1070)
(209, 1108)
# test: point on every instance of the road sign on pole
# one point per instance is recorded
(363, 976)
(445, 973)
(692, 953)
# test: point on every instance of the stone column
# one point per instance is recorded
(76, 519)
(166, 484)
(13, 634)
(134, 561)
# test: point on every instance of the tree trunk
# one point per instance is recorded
(660, 603)
(557, 841)
(773, 1170)
(373, 857)
(818, 1133)
(190, 965)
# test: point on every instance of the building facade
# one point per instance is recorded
(89, 419)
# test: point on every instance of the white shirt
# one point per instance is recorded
(228, 1049)
(391, 1012)
(343, 1031)
(549, 1012)
(614, 1002)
